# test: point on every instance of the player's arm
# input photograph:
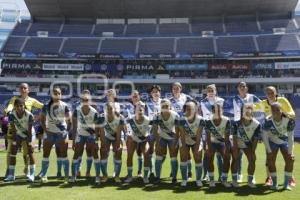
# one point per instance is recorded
(68, 118)
(37, 104)
(29, 131)
(291, 126)
(10, 105)
(288, 109)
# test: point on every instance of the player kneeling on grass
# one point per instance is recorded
(56, 122)
(218, 133)
(21, 122)
(111, 124)
(138, 138)
(278, 135)
(246, 133)
(190, 128)
(166, 135)
(85, 132)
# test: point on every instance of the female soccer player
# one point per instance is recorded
(85, 132)
(111, 125)
(217, 138)
(246, 132)
(206, 106)
(279, 135)
(243, 98)
(265, 106)
(56, 122)
(21, 123)
(166, 136)
(190, 127)
(138, 138)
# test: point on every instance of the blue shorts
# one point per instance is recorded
(165, 143)
(91, 139)
(275, 147)
(218, 147)
(20, 139)
(151, 138)
(56, 138)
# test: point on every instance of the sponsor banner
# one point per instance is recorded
(244, 66)
(218, 66)
(86, 56)
(287, 65)
(7, 54)
(63, 67)
(175, 67)
(263, 65)
(29, 55)
(48, 55)
(139, 67)
(239, 55)
(21, 66)
(183, 56)
(291, 53)
(109, 56)
(267, 54)
(160, 56)
(201, 55)
(145, 56)
(128, 56)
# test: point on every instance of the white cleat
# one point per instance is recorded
(212, 184)
(9, 179)
(72, 179)
(289, 188)
(251, 185)
(30, 178)
(128, 180)
(199, 183)
(240, 178)
(146, 180)
(97, 180)
(235, 184)
(226, 184)
(183, 183)
(274, 187)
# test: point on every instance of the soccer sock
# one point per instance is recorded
(274, 179)
(250, 178)
(59, 165)
(66, 165)
(89, 163)
(117, 167)
(140, 164)
(74, 167)
(224, 177)
(240, 162)
(129, 172)
(174, 166)
(184, 170)
(287, 177)
(198, 168)
(45, 166)
(189, 166)
(152, 163)
(158, 166)
(146, 171)
(211, 176)
(79, 164)
(11, 170)
(234, 177)
(104, 167)
(32, 170)
(220, 164)
(205, 166)
(97, 167)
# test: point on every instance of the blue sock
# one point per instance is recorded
(146, 171)
(45, 166)
(74, 168)
(174, 166)
(31, 170)
(198, 168)
(129, 171)
(97, 167)
(158, 166)
(11, 170)
(250, 178)
(89, 163)
(79, 164)
(211, 176)
(66, 165)
(140, 164)
(189, 166)
(287, 177)
(224, 177)
(103, 164)
(274, 179)
(152, 163)
(117, 167)
(184, 170)
(220, 164)
(59, 165)
(240, 162)
(234, 177)
(205, 166)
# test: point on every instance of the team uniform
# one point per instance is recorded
(190, 130)
(110, 129)
(239, 102)
(22, 136)
(86, 134)
(177, 104)
(285, 105)
(279, 136)
(57, 125)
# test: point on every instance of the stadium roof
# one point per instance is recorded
(154, 8)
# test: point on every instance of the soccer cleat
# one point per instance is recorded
(235, 184)
(44, 179)
(205, 178)
(66, 180)
(97, 180)
(152, 175)
(212, 184)
(240, 178)
(289, 188)
(292, 182)
(269, 181)
(104, 179)
(128, 180)
(190, 175)
(30, 178)
(174, 180)
(251, 185)
(157, 181)
(146, 180)
(58, 175)
(226, 184)
(199, 183)
(139, 174)
(183, 183)
(78, 174)
(274, 187)
(72, 179)
(9, 178)
(117, 179)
